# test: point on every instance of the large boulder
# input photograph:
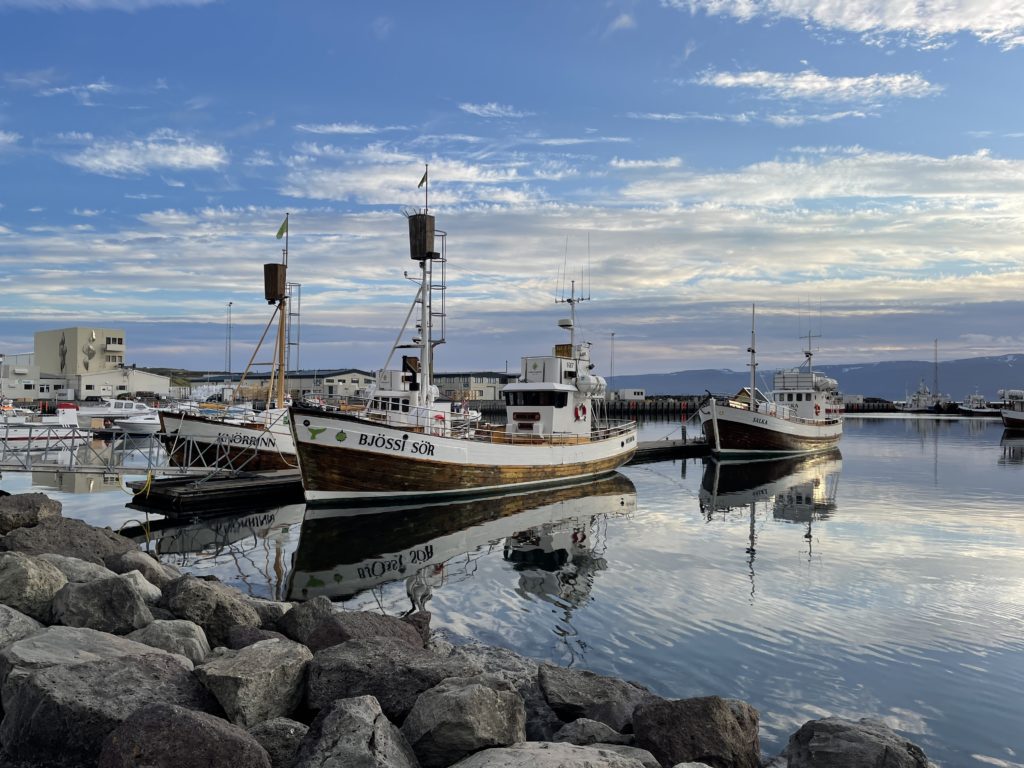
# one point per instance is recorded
(576, 693)
(65, 646)
(64, 713)
(15, 625)
(258, 682)
(213, 606)
(532, 754)
(75, 569)
(342, 626)
(270, 611)
(156, 573)
(391, 670)
(24, 510)
(149, 591)
(461, 716)
(28, 584)
(585, 731)
(175, 636)
(113, 605)
(706, 729)
(281, 738)
(838, 743)
(169, 736)
(541, 721)
(354, 732)
(298, 623)
(66, 536)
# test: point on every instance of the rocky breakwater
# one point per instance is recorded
(109, 658)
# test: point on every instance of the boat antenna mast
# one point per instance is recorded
(571, 299)
(752, 349)
(422, 250)
(809, 352)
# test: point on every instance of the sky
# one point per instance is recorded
(854, 169)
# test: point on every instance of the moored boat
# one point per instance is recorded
(802, 414)
(407, 442)
(1013, 414)
(21, 429)
(976, 405)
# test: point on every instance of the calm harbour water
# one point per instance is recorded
(885, 583)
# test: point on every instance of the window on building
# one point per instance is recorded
(89, 387)
(29, 387)
(122, 388)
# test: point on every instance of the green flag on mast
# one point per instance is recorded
(284, 228)
(422, 181)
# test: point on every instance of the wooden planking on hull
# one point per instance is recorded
(338, 469)
(193, 454)
(737, 437)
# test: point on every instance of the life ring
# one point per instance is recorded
(576, 413)
(438, 424)
(583, 411)
(817, 409)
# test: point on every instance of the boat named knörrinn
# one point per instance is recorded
(803, 414)
(407, 442)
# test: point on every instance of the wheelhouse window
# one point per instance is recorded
(543, 398)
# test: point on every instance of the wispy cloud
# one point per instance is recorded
(82, 93)
(619, 23)
(813, 85)
(86, 212)
(666, 162)
(9, 138)
(352, 129)
(792, 120)
(681, 117)
(569, 142)
(260, 158)
(161, 150)
(988, 20)
(74, 137)
(493, 110)
(382, 26)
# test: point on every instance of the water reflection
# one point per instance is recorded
(1012, 444)
(552, 538)
(793, 490)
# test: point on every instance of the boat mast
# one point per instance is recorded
(753, 358)
(281, 304)
(421, 249)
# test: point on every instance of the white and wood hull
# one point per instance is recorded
(732, 431)
(198, 441)
(19, 437)
(1013, 418)
(343, 457)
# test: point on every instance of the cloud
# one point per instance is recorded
(161, 150)
(667, 162)
(342, 128)
(382, 26)
(86, 212)
(260, 158)
(129, 6)
(75, 137)
(82, 93)
(813, 85)
(621, 22)
(492, 109)
(8, 138)
(678, 117)
(927, 22)
(568, 142)
(789, 120)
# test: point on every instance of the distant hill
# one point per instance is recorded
(890, 380)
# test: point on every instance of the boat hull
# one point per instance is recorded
(732, 431)
(343, 457)
(197, 441)
(1013, 419)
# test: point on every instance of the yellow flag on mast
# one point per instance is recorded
(283, 229)
(422, 181)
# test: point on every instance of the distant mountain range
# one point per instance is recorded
(891, 380)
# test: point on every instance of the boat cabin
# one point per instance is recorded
(807, 395)
(553, 395)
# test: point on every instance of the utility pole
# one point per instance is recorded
(227, 343)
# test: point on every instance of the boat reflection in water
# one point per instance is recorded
(1012, 443)
(552, 537)
(792, 490)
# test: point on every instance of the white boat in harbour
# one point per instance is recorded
(22, 429)
(101, 416)
(802, 414)
(138, 424)
(976, 405)
(238, 437)
(407, 442)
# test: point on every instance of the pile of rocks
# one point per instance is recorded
(110, 658)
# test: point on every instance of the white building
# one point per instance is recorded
(632, 395)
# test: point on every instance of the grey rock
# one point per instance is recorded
(532, 754)
(258, 682)
(391, 670)
(298, 623)
(576, 693)
(149, 591)
(460, 716)
(65, 712)
(541, 721)
(270, 611)
(210, 604)
(15, 625)
(175, 636)
(586, 731)
(113, 605)
(241, 636)
(354, 732)
(22, 510)
(642, 755)
(342, 626)
(68, 537)
(169, 736)
(839, 743)
(420, 621)
(706, 729)
(75, 569)
(281, 738)
(65, 646)
(155, 572)
(28, 584)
